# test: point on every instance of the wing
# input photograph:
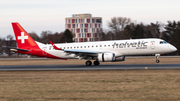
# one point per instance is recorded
(81, 53)
(15, 48)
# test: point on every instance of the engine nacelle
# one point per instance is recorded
(106, 57)
(120, 58)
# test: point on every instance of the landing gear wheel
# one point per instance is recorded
(88, 63)
(157, 61)
(157, 58)
(96, 63)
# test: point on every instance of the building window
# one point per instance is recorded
(81, 39)
(81, 30)
(93, 20)
(86, 25)
(86, 30)
(73, 25)
(95, 35)
(89, 35)
(79, 35)
(98, 20)
(82, 21)
(73, 20)
(95, 25)
(77, 30)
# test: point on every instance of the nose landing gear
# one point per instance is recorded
(157, 58)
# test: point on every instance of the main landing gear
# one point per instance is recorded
(89, 63)
(157, 58)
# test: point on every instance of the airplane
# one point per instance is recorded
(99, 51)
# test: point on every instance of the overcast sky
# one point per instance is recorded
(40, 15)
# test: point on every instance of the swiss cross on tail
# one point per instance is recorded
(22, 37)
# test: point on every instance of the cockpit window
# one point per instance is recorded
(163, 42)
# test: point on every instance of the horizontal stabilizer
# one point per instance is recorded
(14, 48)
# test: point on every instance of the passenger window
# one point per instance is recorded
(84, 46)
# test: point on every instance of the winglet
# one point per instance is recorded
(55, 47)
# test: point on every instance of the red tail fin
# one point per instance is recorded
(23, 39)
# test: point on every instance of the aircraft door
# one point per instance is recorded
(152, 44)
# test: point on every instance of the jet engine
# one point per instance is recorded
(110, 57)
(106, 57)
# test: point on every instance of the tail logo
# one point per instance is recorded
(22, 37)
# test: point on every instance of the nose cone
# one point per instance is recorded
(173, 49)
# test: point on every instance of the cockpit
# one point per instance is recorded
(163, 42)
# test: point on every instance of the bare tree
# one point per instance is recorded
(117, 25)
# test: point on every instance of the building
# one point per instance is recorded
(84, 27)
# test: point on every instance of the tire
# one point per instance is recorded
(88, 63)
(96, 63)
(157, 61)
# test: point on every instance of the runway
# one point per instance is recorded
(83, 67)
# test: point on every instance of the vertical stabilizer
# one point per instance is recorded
(23, 39)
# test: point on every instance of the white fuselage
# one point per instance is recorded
(118, 47)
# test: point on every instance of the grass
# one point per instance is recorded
(112, 85)
(126, 85)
